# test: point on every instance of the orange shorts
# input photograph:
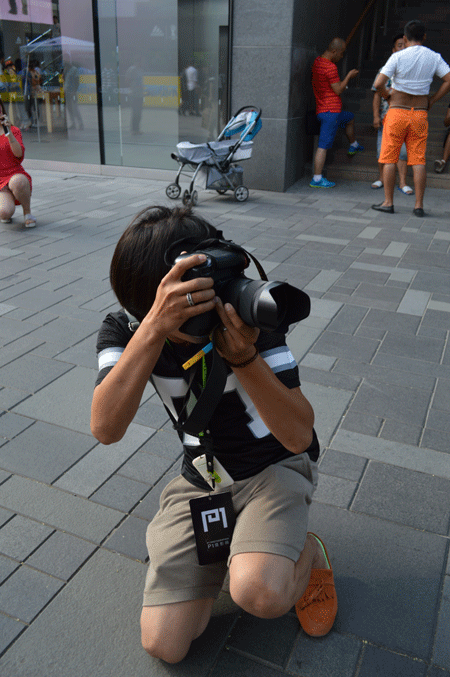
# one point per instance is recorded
(404, 125)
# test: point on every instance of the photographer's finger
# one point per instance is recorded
(250, 334)
(183, 265)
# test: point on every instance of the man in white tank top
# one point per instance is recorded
(412, 71)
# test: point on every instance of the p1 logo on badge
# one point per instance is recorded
(214, 516)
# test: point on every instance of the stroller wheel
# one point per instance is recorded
(173, 191)
(241, 193)
(186, 197)
(194, 198)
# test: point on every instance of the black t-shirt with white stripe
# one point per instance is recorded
(241, 440)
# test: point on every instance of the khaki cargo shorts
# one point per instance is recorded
(271, 516)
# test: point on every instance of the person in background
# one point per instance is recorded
(328, 88)
(439, 165)
(15, 183)
(380, 108)
(413, 70)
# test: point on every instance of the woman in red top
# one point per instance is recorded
(15, 183)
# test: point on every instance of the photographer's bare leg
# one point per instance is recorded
(168, 630)
(267, 585)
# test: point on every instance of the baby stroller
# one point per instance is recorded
(212, 163)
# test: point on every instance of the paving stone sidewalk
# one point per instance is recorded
(374, 359)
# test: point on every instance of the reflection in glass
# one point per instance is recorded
(162, 77)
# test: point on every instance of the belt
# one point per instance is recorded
(408, 108)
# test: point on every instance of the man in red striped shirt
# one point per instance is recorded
(328, 88)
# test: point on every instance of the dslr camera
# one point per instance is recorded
(270, 306)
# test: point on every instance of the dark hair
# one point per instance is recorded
(415, 31)
(138, 266)
(399, 36)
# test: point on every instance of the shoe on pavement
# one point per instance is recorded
(322, 183)
(418, 211)
(317, 608)
(384, 208)
(439, 166)
(29, 221)
(354, 149)
(377, 184)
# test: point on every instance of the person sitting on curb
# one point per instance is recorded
(380, 108)
(328, 88)
(439, 165)
(15, 183)
(413, 69)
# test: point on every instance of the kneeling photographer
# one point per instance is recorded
(232, 390)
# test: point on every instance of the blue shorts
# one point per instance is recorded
(329, 123)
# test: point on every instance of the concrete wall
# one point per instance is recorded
(273, 46)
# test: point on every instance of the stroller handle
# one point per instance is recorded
(257, 110)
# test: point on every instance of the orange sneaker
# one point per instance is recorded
(317, 608)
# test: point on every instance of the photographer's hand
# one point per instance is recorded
(172, 306)
(234, 339)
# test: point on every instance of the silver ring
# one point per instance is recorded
(190, 300)
(224, 329)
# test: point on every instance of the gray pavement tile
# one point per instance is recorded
(165, 444)
(43, 452)
(61, 555)
(441, 398)
(395, 322)
(412, 347)
(5, 515)
(65, 402)
(362, 423)
(149, 505)
(9, 630)
(404, 496)
(377, 661)
(416, 366)
(107, 583)
(59, 509)
(19, 347)
(65, 332)
(436, 282)
(343, 345)
(120, 493)
(21, 536)
(407, 405)
(91, 471)
(340, 464)
(331, 403)
(24, 594)
(388, 578)
(31, 373)
(316, 361)
(326, 378)
(348, 320)
(7, 566)
(152, 414)
(145, 467)
(335, 491)
(437, 672)
(39, 299)
(441, 653)
(83, 354)
(231, 663)
(400, 432)
(129, 539)
(435, 439)
(11, 330)
(438, 420)
(330, 656)
(254, 636)
(11, 424)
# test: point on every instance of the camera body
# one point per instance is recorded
(270, 306)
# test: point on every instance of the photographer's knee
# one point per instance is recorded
(160, 648)
(259, 599)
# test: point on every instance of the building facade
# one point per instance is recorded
(112, 85)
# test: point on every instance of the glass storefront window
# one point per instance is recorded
(156, 72)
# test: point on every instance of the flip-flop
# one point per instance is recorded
(406, 190)
(377, 184)
(439, 166)
(29, 221)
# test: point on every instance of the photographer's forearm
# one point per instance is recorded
(286, 412)
(117, 398)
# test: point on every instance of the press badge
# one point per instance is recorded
(214, 520)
